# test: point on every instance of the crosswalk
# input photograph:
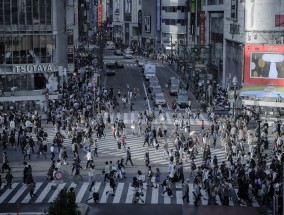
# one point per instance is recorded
(124, 193)
(135, 64)
(108, 145)
(130, 117)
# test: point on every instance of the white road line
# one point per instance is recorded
(82, 191)
(118, 193)
(104, 195)
(19, 193)
(118, 116)
(130, 193)
(145, 90)
(204, 197)
(8, 192)
(72, 185)
(132, 117)
(255, 203)
(28, 197)
(167, 199)
(125, 118)
(43, 193)
(218, 200)
(155, 196)
(55, 194)
(191, 199)
(95, 189)
(169, 120)
(236, 191)
(144, 192)
(179, 197)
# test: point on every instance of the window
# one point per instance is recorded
(7, 12)
(48, 12)
(42, 11)
(29, 12)
(1, 12)
(14, 12)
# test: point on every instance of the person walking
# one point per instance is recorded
(112, 185)
(5, 163)
(76, 172)
(9, 178)
(147, 158)
(31, 188)
(157, 178)
(150, 174)
(106, 171)
(89, 158)
(52, 152)
(185, 196)
(91, 177)
(128, 156)
(41, 150)
(27, 150)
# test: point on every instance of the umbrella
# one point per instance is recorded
(192, 133)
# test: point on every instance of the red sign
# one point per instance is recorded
(279, 20)
(264, 64)
(100, 15)
(202, 28)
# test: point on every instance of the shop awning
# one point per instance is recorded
(262, 91)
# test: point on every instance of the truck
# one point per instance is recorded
(149, 70)
(173, 85)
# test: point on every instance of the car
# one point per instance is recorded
(120, 65)
(110, 68)
(141, 63)
(159, 99)
(156, 90)
(128, 50)
(153, 85)
(128, 55)
(118, 52)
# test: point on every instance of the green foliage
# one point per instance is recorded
(64, 204)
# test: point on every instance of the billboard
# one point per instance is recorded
(264, 15)
(202, 28)
(147, 24)
(264, 64)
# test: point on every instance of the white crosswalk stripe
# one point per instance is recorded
(131, 117)
(135, 65)
(123, 194)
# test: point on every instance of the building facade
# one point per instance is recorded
(33, 44)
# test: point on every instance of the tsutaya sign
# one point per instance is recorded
(33, 68)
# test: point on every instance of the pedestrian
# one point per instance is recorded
(157, 178)
(76, 171)
(5, 163)
(185, 196)
(31, 188)
(27, 150)
(9, 178)
(147, 158)
(91, 177)
(112, 185)
(41, 150)
(128, 156)
(89, 158)
(106, 171)
(150, 175)
(52, 152)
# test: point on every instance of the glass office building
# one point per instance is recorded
(31, 34)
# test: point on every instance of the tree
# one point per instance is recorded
(64, 204)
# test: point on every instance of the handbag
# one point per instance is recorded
(103, 172)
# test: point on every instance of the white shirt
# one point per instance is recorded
(51, 148)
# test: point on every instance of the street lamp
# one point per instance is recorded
(235, 82)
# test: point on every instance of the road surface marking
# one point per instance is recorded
(82, 191)
(104, 195)
(118, 192)
(28, 197)
(19, 193)
(43, 193)
(8, 192)
(55, 194)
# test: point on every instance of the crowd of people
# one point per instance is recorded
(255, 172)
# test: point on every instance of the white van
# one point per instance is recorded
(110, 45)
(149, 70)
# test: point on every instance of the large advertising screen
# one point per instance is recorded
(264, 64)
(264, 15)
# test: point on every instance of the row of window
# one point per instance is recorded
(24, 49)
(174, 8)
(27, 12)
(182, 22)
